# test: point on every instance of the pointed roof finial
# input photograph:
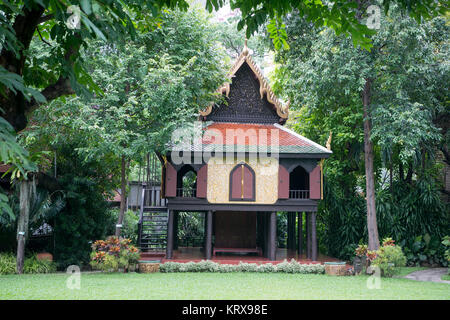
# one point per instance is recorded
(245, 50)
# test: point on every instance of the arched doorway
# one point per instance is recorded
(187, 182)
(299, 183)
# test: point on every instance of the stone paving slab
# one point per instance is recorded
(433, 275)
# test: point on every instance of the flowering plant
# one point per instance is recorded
(361, 250)
(113, 253)
(371, 254)
(388, 242)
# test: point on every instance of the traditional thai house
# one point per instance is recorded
(244, 167)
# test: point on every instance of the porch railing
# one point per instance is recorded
(152, 197)
(298, 194)
(186, 192)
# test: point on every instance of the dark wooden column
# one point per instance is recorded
(308, 239)
(272, 236)
(300, 232)
(208, 246)
(169, 246)
(265, 234)
(175, 230)
(291, 231)
(313, 237)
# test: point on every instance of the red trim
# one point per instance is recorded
(171, 181)
(283, 182)
(202, 181)
(314, 183)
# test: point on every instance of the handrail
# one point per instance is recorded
(186, 192)
(298, 194)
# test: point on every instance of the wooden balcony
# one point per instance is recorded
(186, 192)
(298, 194)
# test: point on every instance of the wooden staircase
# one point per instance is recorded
(152, 232)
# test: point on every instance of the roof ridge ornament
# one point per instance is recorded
(245, 51)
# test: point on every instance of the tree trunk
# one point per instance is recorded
(123, 196)
(372, 228)
(22, 225)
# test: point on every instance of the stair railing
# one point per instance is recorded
(141, 214)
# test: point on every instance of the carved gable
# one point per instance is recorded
(244, 103)
(249, 98)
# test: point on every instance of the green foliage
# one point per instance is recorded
(209, 266)
(110, 21)
(425, 250)
(129, 228)
(323, 75)
(31, 265)
(190, 228)
(388, 258)
(7, 263)
(85, 217)
(113, 253)
(446, 243)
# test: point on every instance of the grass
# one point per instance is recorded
(215, 286)
(404, 271)
(446, 277)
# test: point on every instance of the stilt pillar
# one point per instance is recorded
(300, 233)
(169, 246)
(175, 230)
(291, 231)
(308, 235)
(208, 246)
(272, 236)
(313, 237)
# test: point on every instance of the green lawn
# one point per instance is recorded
(403, 271)
(215, 286)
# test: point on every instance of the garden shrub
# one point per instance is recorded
(113, 253)
(389, 257)
(7, 263)
(31, 265)
(210, 266)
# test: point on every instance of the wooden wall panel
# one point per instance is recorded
(171, 180)
(283, 183)
(314, 183)
(202, 181)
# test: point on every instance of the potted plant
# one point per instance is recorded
(360, 261)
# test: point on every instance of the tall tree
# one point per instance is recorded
(151, 85)
(332, 79)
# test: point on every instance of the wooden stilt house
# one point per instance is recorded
(246, 166)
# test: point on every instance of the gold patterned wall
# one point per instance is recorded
(266, 180)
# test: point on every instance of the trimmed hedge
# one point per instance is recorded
(292, 266)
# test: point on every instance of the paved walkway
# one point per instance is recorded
(433, 274)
